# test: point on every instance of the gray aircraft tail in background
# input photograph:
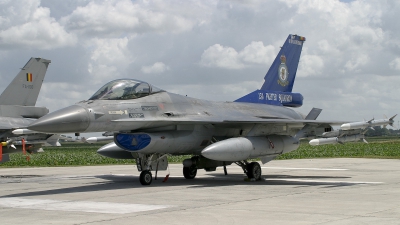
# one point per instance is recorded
(17, 111)
(24, 89)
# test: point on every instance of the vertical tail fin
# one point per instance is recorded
(24, 89)
(279, 79)
(282, 73)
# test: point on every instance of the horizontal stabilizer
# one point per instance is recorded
(313, 114)
(18, 111)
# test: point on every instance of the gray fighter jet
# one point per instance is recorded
(17, 111)
(149, 123)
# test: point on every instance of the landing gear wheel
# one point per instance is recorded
(189, 172)
(254, 171)
(145, 177)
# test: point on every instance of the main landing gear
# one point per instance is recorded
(252, 170)
(190, 172)
(190, 167)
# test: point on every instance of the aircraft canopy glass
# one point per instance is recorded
(124, 89)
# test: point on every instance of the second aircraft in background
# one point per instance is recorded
(18, 110)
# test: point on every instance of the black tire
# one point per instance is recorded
(189, 172)
(254, 171)
(145, 177)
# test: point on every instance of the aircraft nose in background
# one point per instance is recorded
(73, 119)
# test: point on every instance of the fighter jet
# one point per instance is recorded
(150, 123)
(17, 111)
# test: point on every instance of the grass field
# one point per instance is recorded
(80, 154)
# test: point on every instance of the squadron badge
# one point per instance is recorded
(283, 72)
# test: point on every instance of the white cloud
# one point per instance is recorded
(395, 64)
(257, 53)
(111, 51)
(29, 25)
(114, 18)
(220, 56)
(228, 58)
(157, 67)
(356, 62)
(109, 58)
(310, 65)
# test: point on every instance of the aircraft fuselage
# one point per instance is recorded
(160, 110)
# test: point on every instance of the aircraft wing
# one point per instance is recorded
(13, 123)
(222, 121)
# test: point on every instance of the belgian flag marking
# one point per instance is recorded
(29, 77)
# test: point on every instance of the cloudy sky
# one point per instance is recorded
(214, 50)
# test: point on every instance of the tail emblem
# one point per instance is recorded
(283, 72)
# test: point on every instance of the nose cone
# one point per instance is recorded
(73, 119)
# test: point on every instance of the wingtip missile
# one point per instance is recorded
(368, 124)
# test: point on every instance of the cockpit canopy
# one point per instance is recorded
(124, 89)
